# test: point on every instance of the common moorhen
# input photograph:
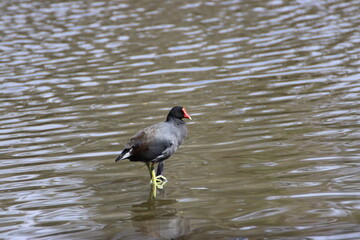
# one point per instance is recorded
(156, 143)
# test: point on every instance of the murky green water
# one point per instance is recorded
(273, 88)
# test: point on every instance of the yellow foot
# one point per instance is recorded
(161, 178)
(160, 181)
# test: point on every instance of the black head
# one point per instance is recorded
(178, 112)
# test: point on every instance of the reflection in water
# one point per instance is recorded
(158, 218)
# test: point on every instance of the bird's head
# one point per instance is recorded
(178, 112)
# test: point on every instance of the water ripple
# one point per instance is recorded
(272, 88)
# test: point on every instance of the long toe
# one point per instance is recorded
(160, 185)
(161, 179)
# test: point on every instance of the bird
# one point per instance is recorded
(154, 144)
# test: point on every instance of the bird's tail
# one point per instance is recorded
(123, 155)
(118, 158)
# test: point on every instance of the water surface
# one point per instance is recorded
(272, 87)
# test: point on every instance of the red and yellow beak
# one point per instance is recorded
(186, 115)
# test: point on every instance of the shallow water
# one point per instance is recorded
(273, 89)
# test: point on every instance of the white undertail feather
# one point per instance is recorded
(127, 155)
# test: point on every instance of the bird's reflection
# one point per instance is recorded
(159, 218)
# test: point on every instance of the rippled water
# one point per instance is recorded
(272, 86)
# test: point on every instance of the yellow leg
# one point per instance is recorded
(153, 175)
(156, 181)
(151, 169)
